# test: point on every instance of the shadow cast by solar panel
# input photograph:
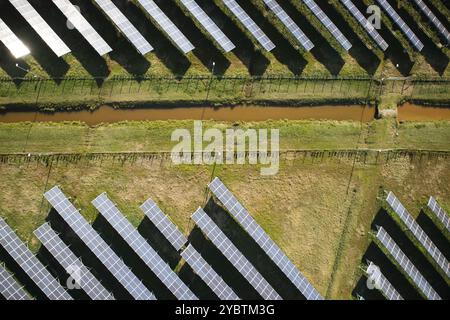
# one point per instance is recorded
(222, 266)
(434, 233)
(8, 64)
(252, 251)
(437, 59)
(124, 53)
(131, 259)
(365, 57)
(169, 55)
(395, 52)
(417, 258)
(81, 49)
(54, 66)
(328, 56)
(251, 56)
(70, 238)
(205, 51)
(440, 15)
(361, 289)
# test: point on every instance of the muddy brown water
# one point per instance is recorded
(411, 112)
(107, 114)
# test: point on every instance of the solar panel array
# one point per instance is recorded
(67, 259)
(439, 212)
(164, 225)
(406, 265)
(125, 26)
(263, 240)
(237, 259)
(366, 24)
(382, 283)
(97, 245)
(207, 274)
(168, 26)
(209, 25)
(426, 10)
(249, 24)
(150, 257)
(343, 41)
(402, 25)
(30, 264)
(41, 27)
(9, 288)
(290, 24)
(10, 40)
(83, 26)
(418, 232)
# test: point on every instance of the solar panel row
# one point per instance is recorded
(418, 232)
(406, 265)
(438, 24)
(10, 40)
(439, 212)
(237, 259)
(262, 238)
(49, 285)
(97, 245)
(9, 288)
(381, 283)
(148, 255)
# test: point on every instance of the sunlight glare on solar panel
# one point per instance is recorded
(12, 42)
(439, 212)
(10, 289)
(381, 283)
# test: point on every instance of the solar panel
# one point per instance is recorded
(10, 40)
(263, 240)
(83, 26)
(67, 259)
(426, 10)
(366, 24)
(164, 225)
(381, 283)
(125, 26)
(150, 257)
(418, 232)
(209, 25)
(237, 259)
(343, 41)
(41, 27)
(249, 24)
(402, 25)
(30, 264)
(207, 274)
(439, 212)
(9, 288)
(97, 245)
(406, 265)
(168, 26)
(290, 24)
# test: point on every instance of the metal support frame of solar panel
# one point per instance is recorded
(97, 245)
(249, 24)
(381, 283)
(366, 24)
(418, 232)
(406, 265)
(263, 240)
(323, 18)
(147, 254)
(237, 259)
(207, 274)
(41, 27)
(12, 42)
(439, 212)
(430, 15)
(125, 26)
(209, 25)
(30, 264)
(69, 261)
(10, 289)
(83, 26)
(169, 230)
(415, 41)
(167, 25)
(301, 37)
